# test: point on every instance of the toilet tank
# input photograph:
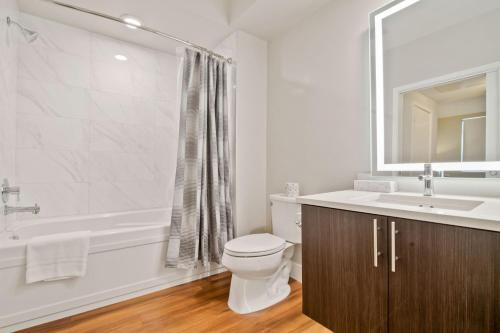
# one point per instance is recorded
(286, 218)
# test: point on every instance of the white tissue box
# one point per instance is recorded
(384, 186)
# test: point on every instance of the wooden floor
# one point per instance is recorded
(199, 306)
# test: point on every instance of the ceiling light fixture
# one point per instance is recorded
(121, 57)
(130, 21)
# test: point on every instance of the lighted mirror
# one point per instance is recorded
(435, 85)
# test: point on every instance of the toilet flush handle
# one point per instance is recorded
(298, 220)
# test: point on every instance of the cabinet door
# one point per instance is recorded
(446, 279)
(342, 288)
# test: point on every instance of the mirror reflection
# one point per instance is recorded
(438, 87)
(444, 123)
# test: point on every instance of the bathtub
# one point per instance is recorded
(126, 260)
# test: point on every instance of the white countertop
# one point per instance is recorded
(486, 216)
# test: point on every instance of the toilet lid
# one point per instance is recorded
(254, 245)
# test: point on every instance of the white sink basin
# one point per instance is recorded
(464, 211)
(429, 202)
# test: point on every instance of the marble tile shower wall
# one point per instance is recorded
(94, 134)
(8, 78)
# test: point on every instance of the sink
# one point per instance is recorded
(429, 202)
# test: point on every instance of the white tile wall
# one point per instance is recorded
(41, 63)
(8, 77)
(122, 167)
(50, 165)
(92, 134)
(36, 97)
(56, 198)
(42, 132)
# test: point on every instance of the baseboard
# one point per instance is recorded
(107, 298)
(296, 272)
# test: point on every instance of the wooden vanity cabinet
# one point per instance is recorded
(447, 279)
(341, 287)
(444, 279)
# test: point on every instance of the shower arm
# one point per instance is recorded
(11, 21)
(30, 35)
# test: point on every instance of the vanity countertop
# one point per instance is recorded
(485, 216)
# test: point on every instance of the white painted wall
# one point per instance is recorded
(319, 118)
(250, 56)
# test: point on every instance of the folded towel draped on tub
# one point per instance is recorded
(57, 256)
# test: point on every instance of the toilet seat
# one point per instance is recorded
(256, 245)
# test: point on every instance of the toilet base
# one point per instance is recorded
(247, 296)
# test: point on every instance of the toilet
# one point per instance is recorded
(261, 263)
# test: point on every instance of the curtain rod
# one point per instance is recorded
(141, 27)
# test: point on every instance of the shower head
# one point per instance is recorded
(28, 34)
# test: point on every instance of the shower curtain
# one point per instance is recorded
(202, 218)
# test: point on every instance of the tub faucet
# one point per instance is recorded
(8, 190)
(11, 210)
(428, 180)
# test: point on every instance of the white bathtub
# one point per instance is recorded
(126, 259)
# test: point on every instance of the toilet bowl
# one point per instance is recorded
(261, 263)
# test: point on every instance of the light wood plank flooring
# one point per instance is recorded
(199, 306)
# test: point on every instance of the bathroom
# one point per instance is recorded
(353, 181)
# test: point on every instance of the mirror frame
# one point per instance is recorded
(377, 103)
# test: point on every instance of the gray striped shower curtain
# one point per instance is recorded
(202, 217)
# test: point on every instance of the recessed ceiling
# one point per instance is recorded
(203, 22)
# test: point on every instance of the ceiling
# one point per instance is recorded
(458, 90)
(203, 22)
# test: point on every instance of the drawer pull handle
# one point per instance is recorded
(376, 252)
(394, 232)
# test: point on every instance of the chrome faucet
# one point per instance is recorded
(11, 210)
(8, 190)
(428, 180)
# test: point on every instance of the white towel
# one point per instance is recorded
(384, 186)
(57, 256)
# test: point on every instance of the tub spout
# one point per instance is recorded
(11, 210)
